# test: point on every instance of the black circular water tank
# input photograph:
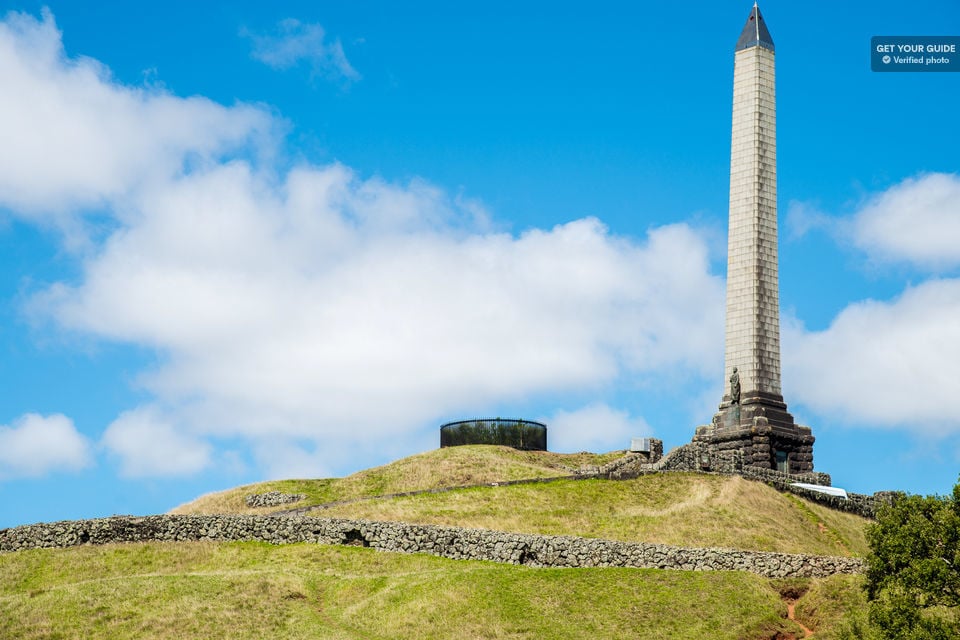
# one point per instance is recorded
(510, 432)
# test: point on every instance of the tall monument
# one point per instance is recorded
(753, 417)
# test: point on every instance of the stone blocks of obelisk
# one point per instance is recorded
(753, 299)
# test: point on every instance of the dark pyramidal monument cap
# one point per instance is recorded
(755, 33)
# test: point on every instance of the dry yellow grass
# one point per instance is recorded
(449, 467)
(672, 508)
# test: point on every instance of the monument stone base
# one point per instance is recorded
(764, 433)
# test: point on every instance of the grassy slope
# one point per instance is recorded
(450, 467)
(679, 509)
(252, 590)
(831, 605)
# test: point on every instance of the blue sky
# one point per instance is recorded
(247, 240)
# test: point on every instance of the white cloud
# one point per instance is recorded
(148, 444)
(340, 308)
(295, 42)
(279, 458)
(596, 427)
(316, 307)
(891, 363)
(916, 221)
(803, 217)
(37, 445)
(73, 137)
(884, 363)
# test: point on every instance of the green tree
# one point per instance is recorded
(913, 569)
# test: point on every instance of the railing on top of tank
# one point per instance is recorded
(511, 432)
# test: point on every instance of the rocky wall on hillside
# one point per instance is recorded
(701, 458)
(448, 542)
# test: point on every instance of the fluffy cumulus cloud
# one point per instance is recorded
(596, 427)
(892, 363)
(148, 444)
(286, 458)
(315, 312)
(36, 445)
(335, 306)
(884, 363)
(73, 138)
(916, 221)
(293, 43)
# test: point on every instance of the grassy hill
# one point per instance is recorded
(679, 509)
(449, 467)
(254, 590)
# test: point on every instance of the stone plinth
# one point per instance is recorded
(761, 443)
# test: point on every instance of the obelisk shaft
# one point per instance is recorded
(753, 302)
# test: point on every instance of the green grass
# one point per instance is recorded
(681, 509)
(253, 590)
(835, 605)
(692, 510)
(449, 467)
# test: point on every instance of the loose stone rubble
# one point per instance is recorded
(273, 499)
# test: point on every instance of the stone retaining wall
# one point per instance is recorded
(701, 458)
(448, 542)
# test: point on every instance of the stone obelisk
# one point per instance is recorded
(753, 416)
(753, 299)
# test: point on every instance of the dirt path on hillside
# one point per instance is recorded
(791, 615)
(790, 594)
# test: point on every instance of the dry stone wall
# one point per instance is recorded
(700, 457)
(448, 542)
